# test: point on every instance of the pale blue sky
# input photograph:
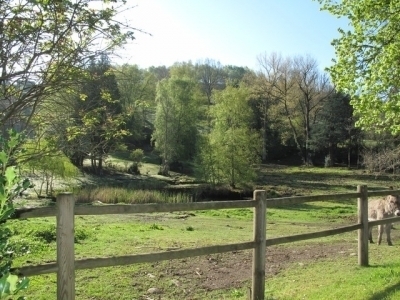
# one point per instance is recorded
(233, 32)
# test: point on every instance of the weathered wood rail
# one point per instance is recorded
(66, 209)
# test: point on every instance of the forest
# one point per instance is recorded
(214, 121)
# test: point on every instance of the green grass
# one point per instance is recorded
(115, 235)
(128, 195)
(338, 279)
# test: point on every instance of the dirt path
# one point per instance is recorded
(231, 270)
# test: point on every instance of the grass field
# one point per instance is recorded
(323, 268)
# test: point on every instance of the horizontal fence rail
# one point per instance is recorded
(24, 213)
(311, 235)
(92, 263)
(383, 221)
(259, 204)
(114, 209)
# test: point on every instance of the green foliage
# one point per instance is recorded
(137, 88)
(43, 159)
(366, 64)
(60, 50)
(334, 126)
(98, 118)
(48, 234)
(175, 131)
(136, 156)
(232, 148)
(10, 187)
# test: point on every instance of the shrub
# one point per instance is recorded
(134, 169)
(10, 187)
(49, 234)
(136, 156)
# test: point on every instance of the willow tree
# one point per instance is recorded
(367, 64)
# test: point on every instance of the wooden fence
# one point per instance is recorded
(65, 210)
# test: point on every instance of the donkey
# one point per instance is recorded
(381, 209)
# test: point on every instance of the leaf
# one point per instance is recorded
(20, 285)
(5, 285)
(6, 212)
(3, 158)
(26, 184)
(11, 284)
(10, 175)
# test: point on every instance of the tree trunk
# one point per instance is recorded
(349, 156)
(264, 144)
(331, 154)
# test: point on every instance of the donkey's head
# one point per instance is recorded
(393, 205)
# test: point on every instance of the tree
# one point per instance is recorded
(44, 46)
(97, 118)
(264, 85)
(211, 77)
(233, 75)
(47, 163)
(137, 88)
(334, 125)
(300, 89)
(231, 148)
(160, 72)
(175, 131)
(367, 64)
(312, 89)
(278, 74)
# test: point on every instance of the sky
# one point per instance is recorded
(233, 32)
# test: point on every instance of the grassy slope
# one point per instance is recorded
(339, 278)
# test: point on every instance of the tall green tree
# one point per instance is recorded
(137, 88)
(175, 133)
(44, 46)
(367, 60)
(334, 126)
(231, 149)
(97, 118)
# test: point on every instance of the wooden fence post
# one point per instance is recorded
(259, 228)
(363, 232)
(65, 247)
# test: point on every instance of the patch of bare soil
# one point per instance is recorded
(231, 270)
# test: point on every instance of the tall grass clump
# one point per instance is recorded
(113, 195)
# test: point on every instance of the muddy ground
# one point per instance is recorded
(233, 270)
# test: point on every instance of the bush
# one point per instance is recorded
(137, 156)
(49, 234)
(134, 169)
(10, 188)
